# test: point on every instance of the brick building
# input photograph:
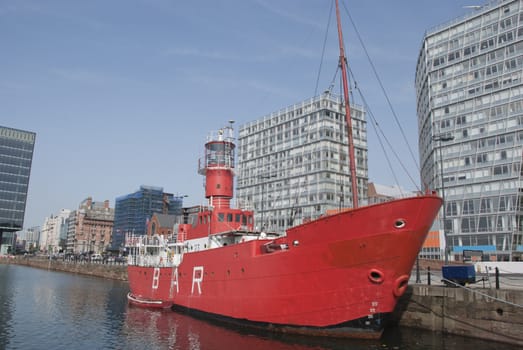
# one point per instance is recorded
(161, 224)
(90, 227)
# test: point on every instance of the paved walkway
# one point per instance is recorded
(506, 281)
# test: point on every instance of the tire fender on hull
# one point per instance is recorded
(400, 285)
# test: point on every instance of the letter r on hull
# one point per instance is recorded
(197, 278)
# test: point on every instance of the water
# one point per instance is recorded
(42, 309)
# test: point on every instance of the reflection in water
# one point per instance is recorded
(167, 329)
(6, 304)
(47, 309)
(42, 309)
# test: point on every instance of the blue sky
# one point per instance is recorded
(123, 92)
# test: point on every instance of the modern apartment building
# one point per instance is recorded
(16, 155)
(132, 212)
(293, 164)
(469, 93)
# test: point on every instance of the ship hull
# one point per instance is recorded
(338, 276)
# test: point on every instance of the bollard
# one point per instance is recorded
(418, 279)
(497, 278)
(428, 275)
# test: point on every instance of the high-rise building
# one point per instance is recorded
(293, 164)
(53, 235)
(70, 245)
(32, 238)
(469, 93)
(16, 155)
(133, 211)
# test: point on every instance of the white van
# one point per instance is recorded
(96, 257)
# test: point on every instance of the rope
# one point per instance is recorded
(391, 148)
(382, 88)
(323, 51)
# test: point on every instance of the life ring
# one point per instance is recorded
(400, 285)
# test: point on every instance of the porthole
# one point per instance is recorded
(399, 223)
(375, 276)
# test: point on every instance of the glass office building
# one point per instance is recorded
(16, 155)
(469, 94)
(133, 211)
(293, 164)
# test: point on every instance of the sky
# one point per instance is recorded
(123, 93)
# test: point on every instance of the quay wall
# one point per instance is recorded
(496, 315)
(113, 271)
(492, 314)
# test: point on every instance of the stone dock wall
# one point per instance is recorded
(491, 314)
(115, 271)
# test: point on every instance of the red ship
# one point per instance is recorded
(339, 275)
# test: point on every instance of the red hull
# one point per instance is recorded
(337, 274)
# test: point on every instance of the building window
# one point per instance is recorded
(468, 206)
(485, 205)
(481, 158)
(451, 209)
(468, 225)
(484, 224)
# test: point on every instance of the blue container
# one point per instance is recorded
(460, 274)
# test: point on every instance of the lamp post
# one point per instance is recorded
(265, 177)
(443, 138)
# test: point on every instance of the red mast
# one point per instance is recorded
(343, 64)
(218, 167)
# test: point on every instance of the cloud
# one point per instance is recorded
(283, 52)
(207, 54)
(289, 15)
(17, 7)
(82, 76)
(40, 9)
(255, 86)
